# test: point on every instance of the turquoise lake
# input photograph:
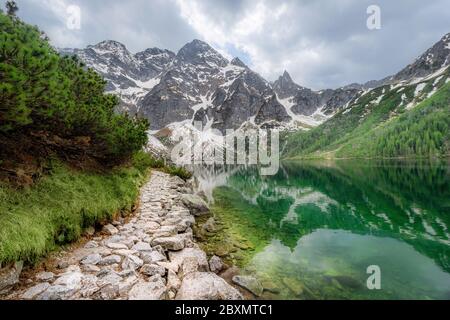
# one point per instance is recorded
(312, 230)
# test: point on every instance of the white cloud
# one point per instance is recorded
(321, 43)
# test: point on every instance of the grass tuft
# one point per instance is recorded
(57, 209)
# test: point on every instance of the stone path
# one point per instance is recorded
(153, 256)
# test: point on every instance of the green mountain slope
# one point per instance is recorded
(403, 120)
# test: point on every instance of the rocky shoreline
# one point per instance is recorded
(152, 256)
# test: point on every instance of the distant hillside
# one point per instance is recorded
(409, 119)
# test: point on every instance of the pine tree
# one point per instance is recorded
(42, 91)
(11, 8)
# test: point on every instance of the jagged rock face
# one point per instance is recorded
(271, 110)
(129, 76)
(199, 84)
(435, 58)
(340, 97)
(306, 102)
(285, 87)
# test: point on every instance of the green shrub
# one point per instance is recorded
(40, 90)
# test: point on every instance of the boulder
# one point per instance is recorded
(109, 278)
(70, 279)
(215, 264)
(206, 286)
(142, 246)
(294, 285)
(110, 230)
(173, 282)
(174, 243)
(91, 259)
(45, 276)
(91, 244)
(190, 265)
(32, 292)
(179, 257)
(109, 260)
(116, 245)
(154, 289)
(250, 283)
(132, 263)
(196, 205)
(9, 276)
(56, 292)
(152, 257)
(153, 269)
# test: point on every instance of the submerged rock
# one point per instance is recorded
(197, 205)
(348, 282)
(294, 285)
(206, 286)
(250, 283)
(210, 225)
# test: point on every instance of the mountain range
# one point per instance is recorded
(198, 83)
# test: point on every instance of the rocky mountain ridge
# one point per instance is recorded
(199, 84)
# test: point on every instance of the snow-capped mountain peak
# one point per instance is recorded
(199, 84)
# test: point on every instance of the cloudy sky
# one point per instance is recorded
(322, 43)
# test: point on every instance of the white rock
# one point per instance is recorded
(110, 229)
(56, 292)
(173, 282)
(92, 259)
(9, 276)
(180, 256)
(36, 290)
(170, 243)
(215, 264)
(91, 244)
(111, 278)
(153, 269)
(152, 257)
(90, 268)
(110, 260)
(125, 252)
(190, 265)
(142, 246)
(152, 290)
(127, 284)
(206, 286)
(45, 276)
(132, 263)
(71, 280)
(116, 245)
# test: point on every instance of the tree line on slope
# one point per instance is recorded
(421, 132)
